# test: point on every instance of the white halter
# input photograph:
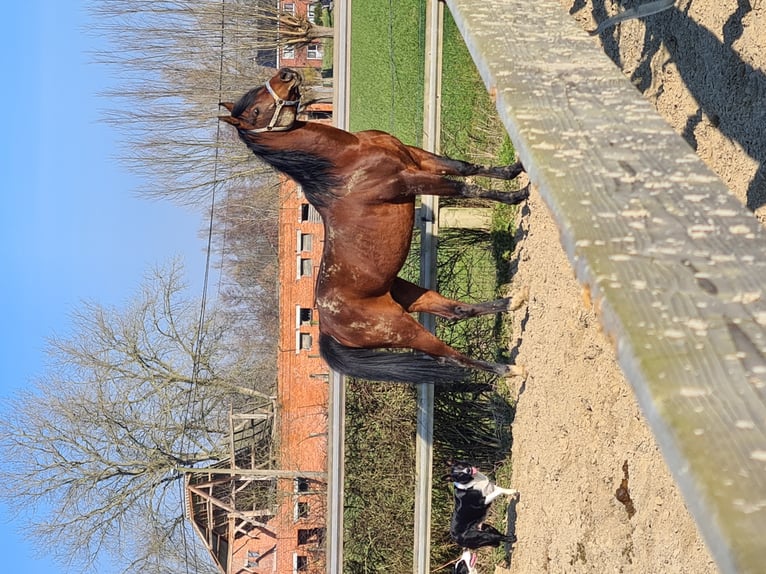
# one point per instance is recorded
(280, 103)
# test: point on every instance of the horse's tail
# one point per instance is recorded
(374, 365)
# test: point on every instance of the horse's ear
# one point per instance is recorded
(228, 105)
(231, 120)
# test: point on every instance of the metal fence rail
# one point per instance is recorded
(337, 396)
(673, 262)
(429, 228)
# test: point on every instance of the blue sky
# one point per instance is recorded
(72, 226)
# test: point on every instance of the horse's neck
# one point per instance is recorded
(311, 137)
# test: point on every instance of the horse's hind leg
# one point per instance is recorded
(423, 340)
(433, 346)
(416, 299)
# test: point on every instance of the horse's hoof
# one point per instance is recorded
(515, 197)
(516, 371)
(514, 170)
(498, 306)
(519, 299)
(523, 192)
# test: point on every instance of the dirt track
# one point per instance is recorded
(578, 428)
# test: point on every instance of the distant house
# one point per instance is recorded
(264, 509)
(302, 56)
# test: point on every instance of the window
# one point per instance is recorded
(305, 269)
(318, 114)
(303, 241)
(301, 563)
(305, 342)
(304, 315)
(311, 13)
(301, 484)
(288, 52)
(252, 559)
(306, 241)
(309, 214)
(310, 536)
(314, 52)
(301, 510)
(289, 7)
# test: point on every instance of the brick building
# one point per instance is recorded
(303, 56)
(264, 509)
(302, 389)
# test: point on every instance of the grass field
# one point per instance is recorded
(387, 67)
(387, 93)
(387, 82)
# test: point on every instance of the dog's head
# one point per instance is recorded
(462, 472)
(466, 564)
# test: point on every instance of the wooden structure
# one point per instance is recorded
(672, 261)
(251, 515)
(226, 508)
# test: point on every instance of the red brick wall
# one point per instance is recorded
(301, 417)
(302, 383)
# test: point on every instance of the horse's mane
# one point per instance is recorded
(312, 172)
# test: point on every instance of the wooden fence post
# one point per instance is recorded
(674, 264)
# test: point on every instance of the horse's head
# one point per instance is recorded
(271, 107)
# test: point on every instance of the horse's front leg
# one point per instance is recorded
(421, 183)
(441, 165)
(470, 191)
(416, 299)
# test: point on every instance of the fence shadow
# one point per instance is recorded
(730, 92)
(511, 518)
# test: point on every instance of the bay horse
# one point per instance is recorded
(364, 187)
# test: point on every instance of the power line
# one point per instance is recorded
(197, 351)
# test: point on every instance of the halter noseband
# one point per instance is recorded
(280, 103)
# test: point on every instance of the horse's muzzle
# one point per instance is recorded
(289, 75)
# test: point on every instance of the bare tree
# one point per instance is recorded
(247, 235)
(128, 401)
(176, 60)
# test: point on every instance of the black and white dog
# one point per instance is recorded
(466, 564)
(474, 493)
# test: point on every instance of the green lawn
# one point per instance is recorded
(387, 82)
(387, 67)
(387, 94)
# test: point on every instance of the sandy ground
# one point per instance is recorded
(578, 432)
